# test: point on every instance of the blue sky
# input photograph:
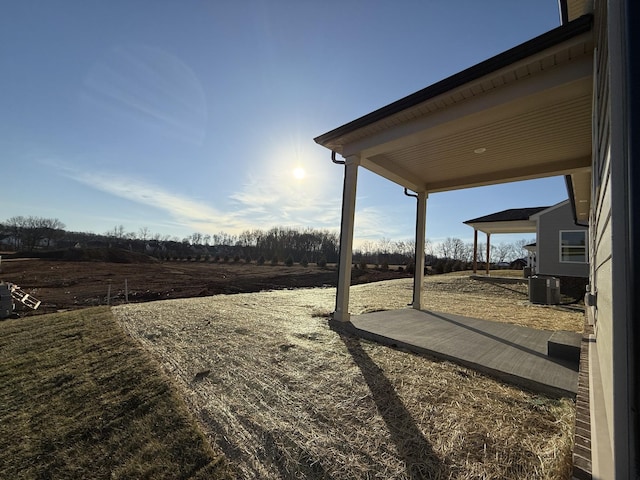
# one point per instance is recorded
(192, 116)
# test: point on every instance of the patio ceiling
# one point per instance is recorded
(523, 114)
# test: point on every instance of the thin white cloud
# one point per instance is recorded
(285, 201)
(149, 87)
(260, 205)
(183, 210)
(263, 204)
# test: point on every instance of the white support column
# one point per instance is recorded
(421, 223)
(488, 252)
(346, 238)
(475, 251)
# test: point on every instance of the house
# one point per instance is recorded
(514, 220)
(519, 264)
(561, 244)
(562, 103)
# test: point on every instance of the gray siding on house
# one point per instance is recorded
(550, 223)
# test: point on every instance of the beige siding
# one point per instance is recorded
(603, 284)
(610, 407)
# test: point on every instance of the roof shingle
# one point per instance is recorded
(510, 215)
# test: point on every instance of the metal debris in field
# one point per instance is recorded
(10, 292)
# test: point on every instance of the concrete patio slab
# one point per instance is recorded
(509, 352)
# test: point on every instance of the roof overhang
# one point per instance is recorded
(511, 226)
(523, 114)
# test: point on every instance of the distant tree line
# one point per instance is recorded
(276, 245)
(27, 233)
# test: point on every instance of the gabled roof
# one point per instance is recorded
(537, 215)
(510, 215)
(513, 220)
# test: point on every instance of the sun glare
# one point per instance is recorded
(299, 173)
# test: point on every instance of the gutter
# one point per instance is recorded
(569, 183)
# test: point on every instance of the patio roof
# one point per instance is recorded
(513, 220)
(525, 113)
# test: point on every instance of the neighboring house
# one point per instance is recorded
(563, 103)
(513, 220)
(561, 245)
(519, 264)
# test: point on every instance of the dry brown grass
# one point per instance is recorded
(460, 295)
(80, 400)
(285, 397)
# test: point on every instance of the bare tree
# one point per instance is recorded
(384, 245)
(15, 226)
(482, 251)
(144, 234)
(502, 252)
(453, 248)
(53, 230)
(196, 238)
(518, 247)
(30, 232)
(117, 232)
(428, 247)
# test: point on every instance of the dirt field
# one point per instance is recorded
(64, 285)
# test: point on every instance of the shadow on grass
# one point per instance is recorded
(415, 450)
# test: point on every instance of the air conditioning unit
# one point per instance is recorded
(544, 290)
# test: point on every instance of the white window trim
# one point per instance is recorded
(586, 258)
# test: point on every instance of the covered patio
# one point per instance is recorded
(514, 220)
(538, 360)
(523, 114)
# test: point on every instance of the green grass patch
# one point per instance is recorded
(80, 399)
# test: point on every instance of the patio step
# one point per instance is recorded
(564, 345)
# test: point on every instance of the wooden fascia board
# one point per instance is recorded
(512, 226)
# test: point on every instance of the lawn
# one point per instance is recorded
(80, 399)
(283, 396)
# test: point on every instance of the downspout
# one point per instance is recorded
(413, 294)
(333, 159)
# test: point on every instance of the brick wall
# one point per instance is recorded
(582, 434)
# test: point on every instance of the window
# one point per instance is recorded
(573, 246)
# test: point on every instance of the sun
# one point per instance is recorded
(299, 173)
